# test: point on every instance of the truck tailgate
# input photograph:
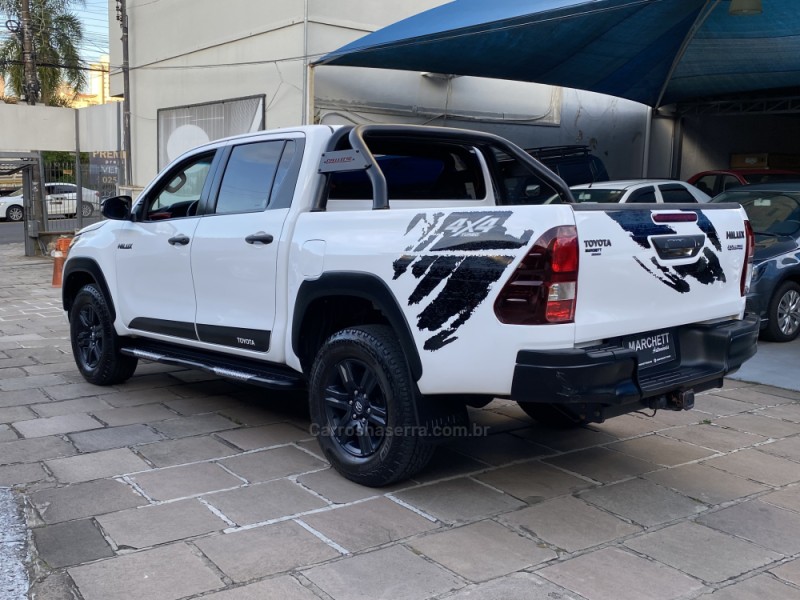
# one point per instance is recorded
(646, 268)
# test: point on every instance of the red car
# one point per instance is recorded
(716, 182)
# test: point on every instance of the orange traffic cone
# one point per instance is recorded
(59, 256)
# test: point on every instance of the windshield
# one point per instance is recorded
(597, 195)
(17, 192)
(770, 213)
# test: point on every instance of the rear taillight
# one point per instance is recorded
(749, 249)
(544, 286)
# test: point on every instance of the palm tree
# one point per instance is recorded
(57, 34)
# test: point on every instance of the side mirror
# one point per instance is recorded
(117, 208)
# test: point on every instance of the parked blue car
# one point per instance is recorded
(774, 212)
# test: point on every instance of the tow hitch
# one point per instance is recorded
(682, 400)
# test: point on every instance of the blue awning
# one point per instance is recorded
(655, 52)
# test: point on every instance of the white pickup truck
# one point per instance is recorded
(400, 273)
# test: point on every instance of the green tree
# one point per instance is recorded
(57, 34)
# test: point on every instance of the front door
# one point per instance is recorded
(155, 290)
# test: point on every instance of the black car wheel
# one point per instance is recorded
(362, 401)
(15, 213)
(783, 323)
(95, 344)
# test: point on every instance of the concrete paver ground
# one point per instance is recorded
(176, 485)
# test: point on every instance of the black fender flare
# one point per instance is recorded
(361, 285)
(90, 267)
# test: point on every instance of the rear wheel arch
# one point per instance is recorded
(339, 300)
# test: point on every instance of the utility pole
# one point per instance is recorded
(31, 83)
(122, 17)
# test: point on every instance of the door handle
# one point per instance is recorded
(259, 238)
(179, 240)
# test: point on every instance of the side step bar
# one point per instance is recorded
(267, 375)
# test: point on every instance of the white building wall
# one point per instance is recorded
(186, 52)
(26, 128)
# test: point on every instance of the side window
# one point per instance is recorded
(674, 193)
(178, 194)
(729, 182)
(706, 184)
(249, 176)
(645, 194)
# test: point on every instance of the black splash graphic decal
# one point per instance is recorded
(706, 269)
(447, 256)
(473, 230)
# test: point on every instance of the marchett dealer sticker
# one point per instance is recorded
(442, 252)
(651, 348)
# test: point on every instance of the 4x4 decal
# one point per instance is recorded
(467, 278)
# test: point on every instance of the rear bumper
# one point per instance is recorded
(606, 381)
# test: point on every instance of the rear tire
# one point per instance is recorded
(87, 210)
(362, 399)
(95, 344)
(552, 415)
(783, 324)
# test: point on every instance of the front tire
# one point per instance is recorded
(87, 210)
(15, 213)
(783, 323)
(95, 344)
(362, 400)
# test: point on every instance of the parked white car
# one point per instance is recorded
(62, 200)
(639, 190)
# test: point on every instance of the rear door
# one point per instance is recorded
(647, 268)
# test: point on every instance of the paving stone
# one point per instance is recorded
(284, 587)
(184, 481)
(517, 586)
(252, 438)
(719, 406)
(152, 525)
(758, 466)
(69, 407)
(702, 552)
(713, 436)
(673, 418)
(705, 484)
(661, 450)
(601, 464)
(56, 585)
(787, 498)
(776, 391)
(53, 368)
(22, 473)
(7, 434)
(760, 587)
(643, 502)
(367, 524)
(8, 373)
(205, 389)
(569, 523)
(166, 573)
(16, 413)
(331, 485)
(97, 465)
(788, 412)
(459, 500)
(54, 425)
(626, 426)
(72, 543)
(114, 437)
(198, 405)
(498, 449)
(770, 427)
(251, 415)
(73, 390)
(409, 578)
(769, 526)
(533, 481)
(446, 463)
(502, 551)
(493, 422)
(136, 398)
(84, 500)
(29, 383)
(787, 448)
(133, 415)
(254, 553)
(565, 440)
(264, 502)
(179, 427)
(761, 395)
(186, 450)
(271, 464)
(789, 572)
(34, 449)
(613, 574)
